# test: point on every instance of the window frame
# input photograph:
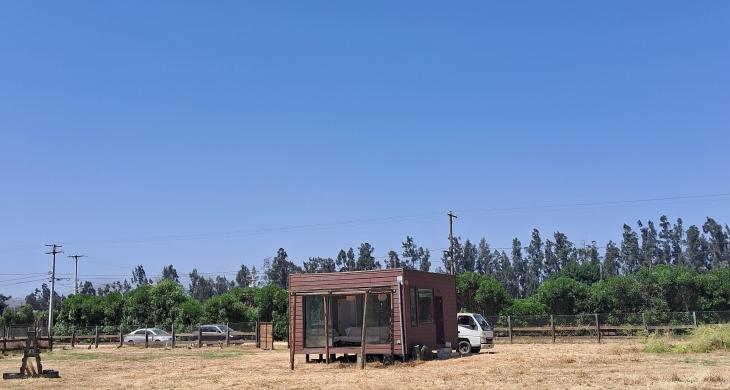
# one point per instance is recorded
(413, 306)
(420, 320)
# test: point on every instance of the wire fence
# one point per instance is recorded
(600, 326)
(567, 328)
(143, 335)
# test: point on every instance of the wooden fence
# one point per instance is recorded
(506, 328)
(13, 339)
(600, 326)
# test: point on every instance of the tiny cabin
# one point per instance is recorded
(379, 312)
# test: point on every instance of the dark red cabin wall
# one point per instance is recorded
(443, 286)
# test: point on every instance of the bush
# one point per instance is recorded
(190, 313)
(563, 295)
(702, 340)
(480, 294)
(525, 307)
(658, 344)
(710, 338)
(224, 308)
(617, 294)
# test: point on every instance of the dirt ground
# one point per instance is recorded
(535, 366)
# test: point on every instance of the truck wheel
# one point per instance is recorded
(464, 347)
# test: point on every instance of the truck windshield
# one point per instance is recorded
(482, 321)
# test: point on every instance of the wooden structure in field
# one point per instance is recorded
(266, 334)
(379, 312)
(31, 353)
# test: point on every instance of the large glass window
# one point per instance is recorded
(413, 306)
(345, 320)
(425, 306)
(313, 321)
(378, 319)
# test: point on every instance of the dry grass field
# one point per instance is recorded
(618, 364)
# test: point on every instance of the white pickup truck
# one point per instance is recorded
(475, 333)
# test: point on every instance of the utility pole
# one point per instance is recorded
(451, 241)
(76, 271)
(53, 252)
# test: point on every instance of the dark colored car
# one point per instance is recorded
(216, 332)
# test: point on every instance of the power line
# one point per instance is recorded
(389, 219)
(26, 273)
(719, 196)
(23, 282)
(20, 278)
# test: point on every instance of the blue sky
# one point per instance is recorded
(126, 120)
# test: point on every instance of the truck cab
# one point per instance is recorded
(475, 333)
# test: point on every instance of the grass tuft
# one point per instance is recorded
(658, 344)
(714, 378)
(710, 338)
(702, 340)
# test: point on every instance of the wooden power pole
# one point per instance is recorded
(451, 242)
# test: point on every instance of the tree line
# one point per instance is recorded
(662, 268)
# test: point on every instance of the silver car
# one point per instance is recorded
(155, 336)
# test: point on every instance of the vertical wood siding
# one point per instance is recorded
(443, 286)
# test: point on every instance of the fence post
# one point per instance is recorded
(694, 318)
(73, 339)
(200, 337)
(509, 328)
(228, 335)
(643, 319)
(50, 339)
(146, 337)
(173, 335)
(598, 329)
(96, 337)
(258, 333)
(5, 338)
(552, 327)
(121, 337)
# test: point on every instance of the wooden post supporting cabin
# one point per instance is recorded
(200, 337)
(326, 330)
(598, 329)
(552, 327)
(173, 335)
(228, 335)
(694, 318)
(509, 328)
(121, 337)
(293, 335)
(96, 337)
(146, 337)
(73, 339)
(364, 326)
